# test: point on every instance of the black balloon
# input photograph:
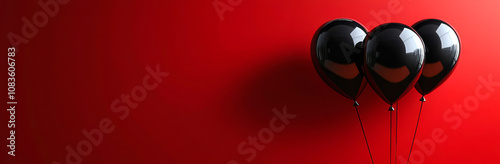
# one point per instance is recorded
(441, 55)
(394, 55)
(336, 52)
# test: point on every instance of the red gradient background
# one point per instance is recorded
(225, 79)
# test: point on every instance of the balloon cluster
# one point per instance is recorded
(393, 57)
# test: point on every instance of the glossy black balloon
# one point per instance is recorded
(336, 52)
(441, 54)
(394, 55)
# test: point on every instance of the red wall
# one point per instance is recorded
(226, 76)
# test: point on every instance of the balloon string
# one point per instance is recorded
(364, 134)
(390, 138)
(415, 134)
(396, 150)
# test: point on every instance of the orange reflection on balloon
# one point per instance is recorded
(347, 71)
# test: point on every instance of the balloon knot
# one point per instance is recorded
(391, 108)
